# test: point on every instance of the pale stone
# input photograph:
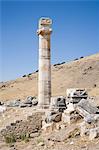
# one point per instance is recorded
(94, 133)
(53, 116)
(41, 144)
(88, 106)
(58, 102)
(48, 127)
(70, 108)
(66, 118)
(2, 109)
(77, 92)
(83, 128)
(44, 78)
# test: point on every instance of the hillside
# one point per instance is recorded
(82, 73)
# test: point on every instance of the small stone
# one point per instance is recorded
(2, 109)
(34, 102)
(14, 103)
(94, 133)
(71, 143)
(41, 144)
(53, 116)
(33, 135)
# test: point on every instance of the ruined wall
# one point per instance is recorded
(20, 127)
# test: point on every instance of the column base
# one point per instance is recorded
(43, 106)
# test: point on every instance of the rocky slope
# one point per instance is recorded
(83, 72)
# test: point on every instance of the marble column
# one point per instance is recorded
(44, 77)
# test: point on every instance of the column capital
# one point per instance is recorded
(44, 26)
(44, 31)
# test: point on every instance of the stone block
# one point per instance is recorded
(53, 116)
(66, 118)
(70, 108)
(94, 133)
(58, 102)
(63, 134)
(77, 93)
(49, 127)
(88, 106)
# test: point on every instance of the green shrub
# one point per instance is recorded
(25, 137)
(10, 138)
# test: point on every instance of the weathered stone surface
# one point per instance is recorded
(75, 95)
(34, 102)
(29, 126)
(33, 135)
(94, 133)
(58, 103)
(53, 116)
(70, 108)
(87, 106)
(28, 100)
(14, 103)
(44, 79)
(48, 127)
(81, 111)
(2, 108)
(70, 117)
(63, 134)
(76, 92)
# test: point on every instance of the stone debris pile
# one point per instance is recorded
(75, 109)
(20, 128)
(74, 115)
(28, 102)
(75, 95)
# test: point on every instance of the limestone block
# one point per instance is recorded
(53, 116)
(70, 108)
(88, 106)
(83, 128)
(58, 102)
(2, 109)
(77, 92)
(63, 134)
(94, 133)
(49, 127)
(66, 118)
(81, 111)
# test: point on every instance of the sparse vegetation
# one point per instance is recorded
(25, 137)
(10, 138)
(81, 57)
(59, 64)
(24, 76)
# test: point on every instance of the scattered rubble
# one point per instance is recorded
(77, 109)
(66, 118)
(32, 125)
(75, 95)
(28, 102)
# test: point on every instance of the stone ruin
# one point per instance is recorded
(65, 116)
(76, 108)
